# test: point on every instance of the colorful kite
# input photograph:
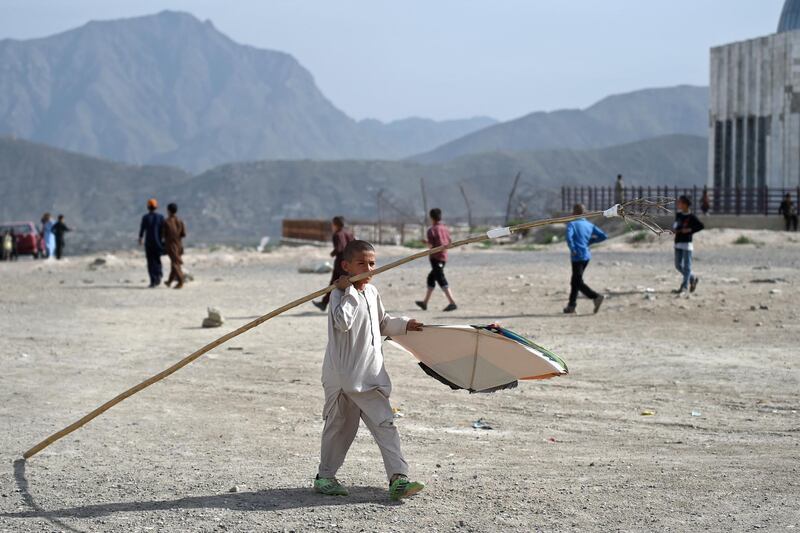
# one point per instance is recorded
(479, 358)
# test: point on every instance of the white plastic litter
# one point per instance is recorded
(496, 233)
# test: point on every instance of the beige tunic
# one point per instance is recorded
(354, 359)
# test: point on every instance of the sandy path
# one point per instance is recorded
(573, 453)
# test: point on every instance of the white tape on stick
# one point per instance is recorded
(496, 233)
(612, 212)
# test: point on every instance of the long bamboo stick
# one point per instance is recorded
(493, 234)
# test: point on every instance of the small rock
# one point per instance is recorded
(759, 324)
(763, 307)
(775, 291)
(753, 307)
(235, 488)
(214, 318)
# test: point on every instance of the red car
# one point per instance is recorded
(29, 242)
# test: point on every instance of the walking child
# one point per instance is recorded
(438, 235)
(59, 229)
(581, 234)
(685, 226)
(150, 236)
(173, 231)
(789, 212)
(354, 377)
(341, 237)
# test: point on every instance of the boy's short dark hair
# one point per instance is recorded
(685, 199)
(356, 247)
(338, 221)
(436, 214)
(578, 209)
(60, 217)
(172, 208)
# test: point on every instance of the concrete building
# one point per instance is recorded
(754, 120)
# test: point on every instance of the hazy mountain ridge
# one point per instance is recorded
(171, 89)
(239, 202)
(613, 120)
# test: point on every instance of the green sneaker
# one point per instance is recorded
(403, 488)
(330, 487)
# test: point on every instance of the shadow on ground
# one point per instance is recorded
(264, 500)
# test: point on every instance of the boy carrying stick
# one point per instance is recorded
(354, 377)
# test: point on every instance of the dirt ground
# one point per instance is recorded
(679, 413)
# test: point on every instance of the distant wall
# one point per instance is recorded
(772, 222)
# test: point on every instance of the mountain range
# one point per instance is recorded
(240, 202)
(170, 89)
(614, 120)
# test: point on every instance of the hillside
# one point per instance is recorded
(614, 120)
(242, 199)
(100, 197)
(240, 202)
(170, 89)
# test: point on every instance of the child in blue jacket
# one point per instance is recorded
(580, 235)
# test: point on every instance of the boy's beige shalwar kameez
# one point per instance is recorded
(356, 384)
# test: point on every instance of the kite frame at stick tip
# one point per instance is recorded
(640, 211)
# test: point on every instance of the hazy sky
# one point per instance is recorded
(390, 59)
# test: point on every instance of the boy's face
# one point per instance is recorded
(358, 264)
(335, 227)
(682, 206)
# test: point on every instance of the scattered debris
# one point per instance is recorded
(324, 267)
(235, 488)
(697, 413)
(262, 245)
(769, 280)
(237, 348)
(396, 413)
(648, 412)
(481, 424)
(214, 318)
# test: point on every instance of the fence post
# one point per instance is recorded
(738, 200)
(766, 200)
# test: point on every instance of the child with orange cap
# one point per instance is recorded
(150, 235)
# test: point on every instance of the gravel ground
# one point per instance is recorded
(679, 414)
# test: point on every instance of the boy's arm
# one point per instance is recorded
(344, 304)
(391, 326)
(571, 238)
(696, 225)
(598, 235)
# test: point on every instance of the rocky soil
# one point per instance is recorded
(680, 412)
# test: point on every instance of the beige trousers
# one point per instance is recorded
(341, 426)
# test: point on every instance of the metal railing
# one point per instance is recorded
(721, 200)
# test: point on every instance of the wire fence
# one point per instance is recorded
(718, 200)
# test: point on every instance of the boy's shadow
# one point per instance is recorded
(263, 500)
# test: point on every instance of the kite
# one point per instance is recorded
(641, 211)
(479, 358)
